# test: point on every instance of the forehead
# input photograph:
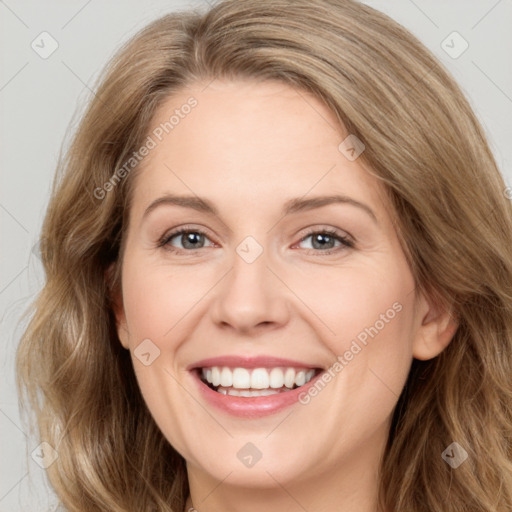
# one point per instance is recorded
(249, 143)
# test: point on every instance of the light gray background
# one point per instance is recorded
(41, 100)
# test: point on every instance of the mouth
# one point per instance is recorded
(255, 382)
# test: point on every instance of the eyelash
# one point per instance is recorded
(346, 242)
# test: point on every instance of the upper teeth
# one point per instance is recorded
(257, 378)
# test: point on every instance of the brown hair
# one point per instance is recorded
(425, 145)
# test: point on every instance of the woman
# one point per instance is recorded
(253, 371)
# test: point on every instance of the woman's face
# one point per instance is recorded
(290, 270)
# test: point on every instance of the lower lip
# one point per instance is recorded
(255, 406)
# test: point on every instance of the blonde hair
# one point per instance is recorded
(423, 142)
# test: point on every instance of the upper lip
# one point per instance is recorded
(262, 361)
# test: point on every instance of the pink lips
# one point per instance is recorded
(249, 407)
(249, 362)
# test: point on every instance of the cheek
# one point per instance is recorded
(157, 298)
(366, 313)
(362, 301)
(369, 310)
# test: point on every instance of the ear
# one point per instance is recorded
(116, 300)
(437, 328)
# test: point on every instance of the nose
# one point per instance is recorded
(251, 297)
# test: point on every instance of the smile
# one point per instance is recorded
(252, 386)
(254, 382)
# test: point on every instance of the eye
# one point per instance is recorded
(191, 239)
(325, 240)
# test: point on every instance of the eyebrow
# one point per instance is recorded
(291, 206)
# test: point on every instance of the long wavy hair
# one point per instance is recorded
(425, 145)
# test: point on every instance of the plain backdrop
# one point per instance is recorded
(42, 98)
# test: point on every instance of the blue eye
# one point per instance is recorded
(194, 239)
(325, 239)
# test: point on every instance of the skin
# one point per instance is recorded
(248, 147)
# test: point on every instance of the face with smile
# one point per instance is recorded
(255, 282)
